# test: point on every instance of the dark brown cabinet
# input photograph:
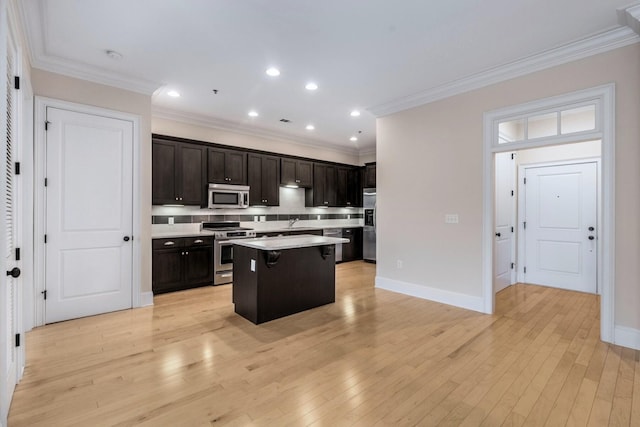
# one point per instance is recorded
(323, 192)
(264, 180)
(348, 188)
(353, 250)
(178, 172)
(227, 166)
(296, 172)
(370, 175)
(182, 263)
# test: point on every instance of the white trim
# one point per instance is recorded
(146, 299)
(225, 125)
(521, 262)
(630, 17)
(627, 337)
(432, 294)
(41, 105)
(605, 96)
(596, 44)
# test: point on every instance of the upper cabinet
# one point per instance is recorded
(324, 191)
(264, 180)
(227, 166)
(370, 175)
(178, 172)
(296, 172)
(348, 187)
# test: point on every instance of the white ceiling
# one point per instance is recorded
(363, 54)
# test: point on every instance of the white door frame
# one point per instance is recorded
(604, 98)
(41, 105)
(521, 208)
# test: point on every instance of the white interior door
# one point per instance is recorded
(10, 233)
(561, 226)
(89, 210)
(504, 242)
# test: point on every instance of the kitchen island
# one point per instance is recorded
(278, 276)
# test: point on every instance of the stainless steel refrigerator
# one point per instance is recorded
(369, 232)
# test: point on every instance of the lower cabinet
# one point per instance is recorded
(182, 263)
(353, 250)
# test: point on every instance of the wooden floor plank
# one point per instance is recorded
(373, 357)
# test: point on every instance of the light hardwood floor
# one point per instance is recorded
(372, 358)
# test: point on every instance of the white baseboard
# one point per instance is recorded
(626, 337)
(432, 294)
(146, 298)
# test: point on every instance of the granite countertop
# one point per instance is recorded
(288, 242)
(180, 233)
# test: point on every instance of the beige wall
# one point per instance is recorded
(218, 136)
(430, 163)
(83, 92)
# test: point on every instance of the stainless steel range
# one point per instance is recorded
(222, 249)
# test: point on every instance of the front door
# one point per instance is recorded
(89, 210)
(561, 226)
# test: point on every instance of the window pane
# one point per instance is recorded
(511, 131)
(542, 125)
(578, 119)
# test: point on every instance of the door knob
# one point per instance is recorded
(126, 238)
(14, 272)
(498, 234)
(591, 228)
(591, 237)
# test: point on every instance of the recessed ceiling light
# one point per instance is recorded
(355, 113)
(253, 114)
(311, 86)
(353, 139)
(173, 93)
(273, 72)
(310, 127)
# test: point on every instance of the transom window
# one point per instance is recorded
(568, 120)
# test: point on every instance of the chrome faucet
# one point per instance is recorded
(293, 221)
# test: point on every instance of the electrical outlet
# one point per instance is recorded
(171, 222)
(399, 264)
(318, 217)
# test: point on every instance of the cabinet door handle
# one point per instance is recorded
(198, 241)
(169, 243)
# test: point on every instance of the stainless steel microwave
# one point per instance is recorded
(225, 196)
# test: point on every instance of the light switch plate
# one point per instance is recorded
(451, 218)
(253, 265)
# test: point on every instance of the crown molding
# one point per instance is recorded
(35, 30)
(229, 126)
(593, 45)
(630, 16)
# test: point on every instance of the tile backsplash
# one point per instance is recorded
(291, 206)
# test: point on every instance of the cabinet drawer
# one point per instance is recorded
(198, 241)
(168, 243)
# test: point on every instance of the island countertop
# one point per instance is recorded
(288, 242)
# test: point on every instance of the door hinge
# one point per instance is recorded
(17, 340)
(16, 82)
(524, 224)
(17, 168)
(46, 125)
(45, 238)
(44, 293)
(511, 193)
(525, 180)
(512, 229)
(513, 156)
(525, 269)
(17, 254)
(513, 264)
(46, 182)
